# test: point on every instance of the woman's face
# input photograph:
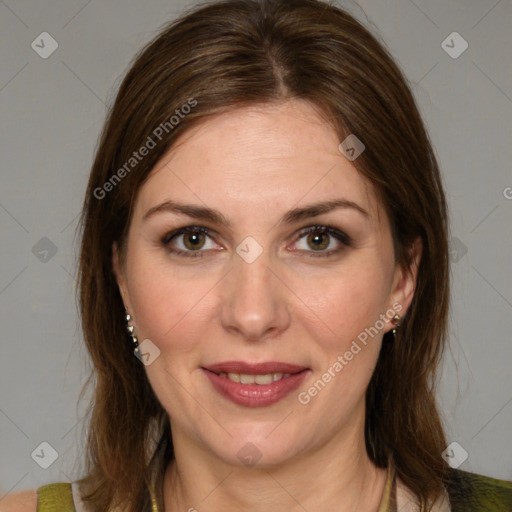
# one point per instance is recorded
(254, 281)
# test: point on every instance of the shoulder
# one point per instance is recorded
(478, 491)
(21, 501)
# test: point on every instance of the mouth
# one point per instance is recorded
(255, 384)
(260, 379)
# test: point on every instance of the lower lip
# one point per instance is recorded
(255, 395)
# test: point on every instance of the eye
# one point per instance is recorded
(320, 238)
(188, 240)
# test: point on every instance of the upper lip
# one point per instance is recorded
(254, 368)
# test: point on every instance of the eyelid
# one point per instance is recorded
(183, 230)
(330, 230)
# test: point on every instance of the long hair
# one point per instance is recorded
(215, 58)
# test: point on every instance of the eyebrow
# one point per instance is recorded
(216, 217)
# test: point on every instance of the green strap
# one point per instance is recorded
(55, 497)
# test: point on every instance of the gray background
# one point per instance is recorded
(52, 111)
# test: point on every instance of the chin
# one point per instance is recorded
(259, 449)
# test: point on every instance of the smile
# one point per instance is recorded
(261, 379)
(255, 385)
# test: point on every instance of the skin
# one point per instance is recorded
(254, 165)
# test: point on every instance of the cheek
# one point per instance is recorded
(347, 344)
(344, 304)
(346, 348)
(169, 307)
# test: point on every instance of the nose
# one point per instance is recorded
(255, 301)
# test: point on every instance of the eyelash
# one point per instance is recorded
(342, 237)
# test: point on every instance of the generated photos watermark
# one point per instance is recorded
(304, 397)
(151, 143)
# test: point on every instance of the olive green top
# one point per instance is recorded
(58, 497)
(55, 497)
(467, 492)
(474, 493)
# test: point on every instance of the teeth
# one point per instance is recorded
(243, 378)
(247, 379)
(263, 379)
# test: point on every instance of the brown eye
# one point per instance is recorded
(189, 241)
(194, 240)
(318, 240)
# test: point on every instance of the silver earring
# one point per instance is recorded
(396, 322)
(130, 328)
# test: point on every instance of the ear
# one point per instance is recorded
(404, 282)
(120, 275)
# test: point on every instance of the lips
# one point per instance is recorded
(254, 368)
(235, 381)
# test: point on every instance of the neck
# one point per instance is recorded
(336, 476)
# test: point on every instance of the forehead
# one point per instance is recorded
(268, 157)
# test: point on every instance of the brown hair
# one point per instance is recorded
(226, 55)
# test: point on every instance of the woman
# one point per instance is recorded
(265, 228)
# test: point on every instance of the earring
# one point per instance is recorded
(396, 322)
(130, 328)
